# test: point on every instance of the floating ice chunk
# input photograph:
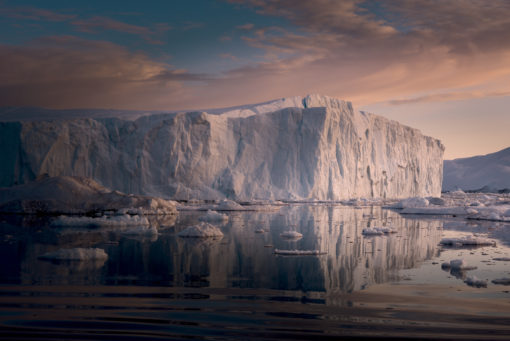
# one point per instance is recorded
(457, 264)
(291, 235)
(501, 281)
(141, 230)
(474, 281)
(81, 254)
(468, 240)
(458, 192)
(214, 217)
(412, 202)
(493, 213)
(105, 221)
(503, 259)
(299, 252)
(202, 230)
(377, 231)
(229, 205)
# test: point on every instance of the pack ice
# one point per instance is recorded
(296, 148)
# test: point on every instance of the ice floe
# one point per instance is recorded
(501, 281)
(202, 230)
(81, 254)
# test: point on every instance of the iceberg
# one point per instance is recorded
(300, 148)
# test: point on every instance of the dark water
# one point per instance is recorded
(231, 288)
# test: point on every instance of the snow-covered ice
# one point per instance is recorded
(202, 230)
(298, 148)
(299, 252)
(214, 217)
(377, 231)
(81, 254)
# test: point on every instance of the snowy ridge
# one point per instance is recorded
(297, 148)
(488, 173)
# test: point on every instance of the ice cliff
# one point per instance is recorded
(314, 147)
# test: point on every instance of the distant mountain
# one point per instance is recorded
(486, 173)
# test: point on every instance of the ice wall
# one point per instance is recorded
(314, 147)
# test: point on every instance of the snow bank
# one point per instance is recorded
(312, 147)
(104, 221)
(81, 254)
(468, 241)
(474, 281)
(299, 252)
(457, 264)
(214, 217)
(291, 235)
(202, 230)
(377, 231)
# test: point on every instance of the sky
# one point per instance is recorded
(442, 66)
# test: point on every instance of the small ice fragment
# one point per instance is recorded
(474, 281)
(291, 235)
(460, 264)
(229, 205)
(105, 221)
(202, 230)
(377, 231)
(299, 252)
(504, 259)
(81, 254)
(467, 240)
(214, 217)
(501, 281)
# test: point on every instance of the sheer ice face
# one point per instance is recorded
(314, 147)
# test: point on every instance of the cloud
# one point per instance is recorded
(69, 72)
(103, 23)
(31, 13)
(449, 96)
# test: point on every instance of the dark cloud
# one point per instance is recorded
(68, 72)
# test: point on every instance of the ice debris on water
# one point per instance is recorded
(214, 217)
(503, 259)
(501, 281)
(457, 264)
(474, 281)
(291, 235)
(81, 254)
(202, 230)
(377, 231)
(468, 241)
(299, 252)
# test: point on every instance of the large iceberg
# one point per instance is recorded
(297, 148)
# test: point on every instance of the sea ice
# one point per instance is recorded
(501, 281)
(229, 205)
(81, 254)
(202, 230)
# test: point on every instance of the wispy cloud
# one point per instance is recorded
(32, 13)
